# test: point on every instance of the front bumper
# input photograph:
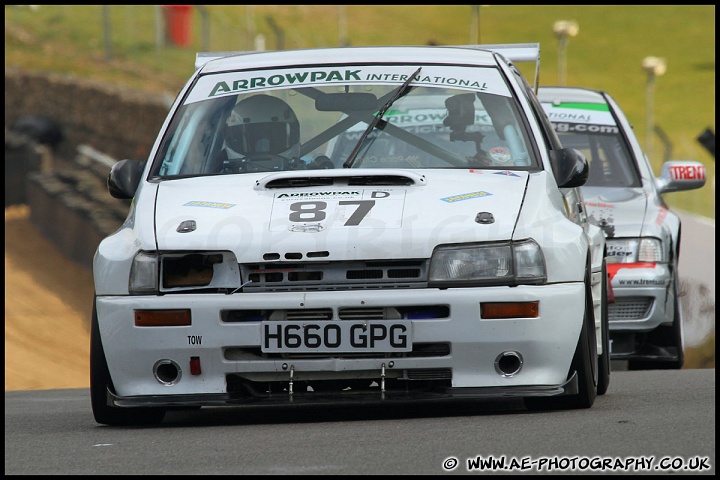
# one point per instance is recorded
(457, 355)
(644, 300)
(642, 296)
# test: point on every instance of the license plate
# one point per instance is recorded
(336, 337)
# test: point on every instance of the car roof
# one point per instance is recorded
(350, 54)
(570, 94)
(213, 62)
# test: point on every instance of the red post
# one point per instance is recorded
(178, 24)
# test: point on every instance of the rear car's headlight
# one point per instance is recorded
(632, 250)
(504, 263)
(153, 272)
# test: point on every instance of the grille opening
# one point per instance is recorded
(404, 273)
(388, 313)
(238, 316)
(363, 274)
(309, 315)
(271, 256)
(629, 308)
(333, 276)
(305, 276)
(394, 263)
(266, 277)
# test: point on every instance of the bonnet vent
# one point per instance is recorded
(340, 178)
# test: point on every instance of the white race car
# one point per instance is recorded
(267, 260)
(624, 198)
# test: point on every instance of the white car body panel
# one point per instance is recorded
(256, 221)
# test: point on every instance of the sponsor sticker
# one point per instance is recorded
(200, 203)
(507, 173)
(500, 154)
(687, 172)
(465, 196)
(473, 79)
(569, 113)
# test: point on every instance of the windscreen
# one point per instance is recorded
(591, 129)
(382, 116)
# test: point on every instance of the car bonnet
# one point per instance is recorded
(619, 211)
(352, 215)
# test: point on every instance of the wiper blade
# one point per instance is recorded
(401, 91)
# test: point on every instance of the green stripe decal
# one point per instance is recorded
(600, 107)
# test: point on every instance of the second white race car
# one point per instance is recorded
(625, 199)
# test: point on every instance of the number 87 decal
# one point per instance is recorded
(315, 211)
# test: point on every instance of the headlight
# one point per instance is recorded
(632, 250)
(488, 264)
(144, 274)
(152, 272)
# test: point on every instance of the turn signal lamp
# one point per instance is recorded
(162, 318)
(509, 310)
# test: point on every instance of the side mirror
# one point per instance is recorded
(124, 178)
(680, 175)
(570, 167)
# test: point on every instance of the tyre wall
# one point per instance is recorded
(65, 190)
(120, 122)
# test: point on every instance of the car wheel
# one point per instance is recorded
(584, 363)
(604, 359)
(100, 382)
(667, 337)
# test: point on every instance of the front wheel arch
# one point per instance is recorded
(101, 381)
(584, 363)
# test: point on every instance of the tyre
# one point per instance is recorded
(100, 382)
(604, 360)
(584, 363)
(669, 337)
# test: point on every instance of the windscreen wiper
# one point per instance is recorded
(401, 91)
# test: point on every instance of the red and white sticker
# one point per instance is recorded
(687, 172)
(500, 154)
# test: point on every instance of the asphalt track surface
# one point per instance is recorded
(662, 418)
